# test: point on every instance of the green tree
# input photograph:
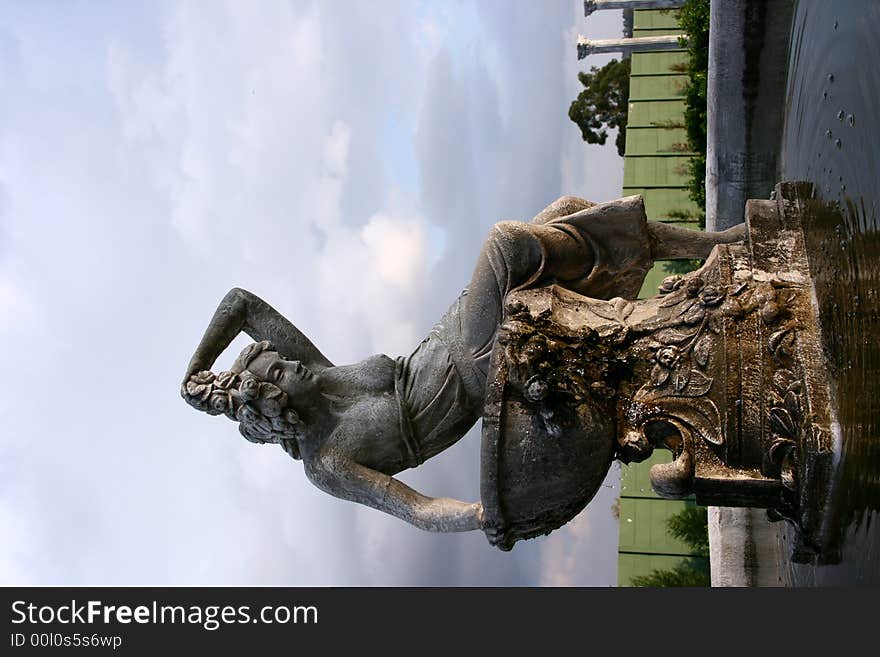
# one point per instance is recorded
(681, 267)
(684, 266)
(691, 526)
(693, 18)
(603, 104)
(690, 573)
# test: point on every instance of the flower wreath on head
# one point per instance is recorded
(260, 408)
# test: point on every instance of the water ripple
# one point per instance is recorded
(832, 140)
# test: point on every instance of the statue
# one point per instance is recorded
(356, 426)
(724, 367)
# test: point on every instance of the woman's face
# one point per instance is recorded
(291, 376)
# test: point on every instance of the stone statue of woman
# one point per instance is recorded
(355, 426)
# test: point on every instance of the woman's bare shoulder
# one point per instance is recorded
(373, 375)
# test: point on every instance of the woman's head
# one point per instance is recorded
(261, 407)
(290, 376)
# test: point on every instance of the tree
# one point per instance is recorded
(691, 526)
(688, 573)
(693, 18)
(603, 104)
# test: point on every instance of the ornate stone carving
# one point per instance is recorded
(723, 367)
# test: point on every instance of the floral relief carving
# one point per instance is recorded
(680, 349)
(553, 369)
(657, 372)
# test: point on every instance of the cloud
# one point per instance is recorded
(336, 149)
(576, 560)
(148, 166)
(17, 310)
(588, 170)
(15, 547)
(399, 249)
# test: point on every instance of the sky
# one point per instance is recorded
(344, 161)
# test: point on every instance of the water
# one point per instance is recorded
(832, 138)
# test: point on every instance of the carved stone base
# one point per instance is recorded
(724, 367)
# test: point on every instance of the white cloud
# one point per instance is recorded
(398, 250)
(370, 279)
(16, 311)
(573, 561)
(15, 548)
(336, 149)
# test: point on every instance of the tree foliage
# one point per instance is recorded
(681, 267)
(603, 104)
(690, 572)
(691, 526)
(693, 18)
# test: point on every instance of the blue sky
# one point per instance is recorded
(344, 163)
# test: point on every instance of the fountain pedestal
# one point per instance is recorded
(724, 367)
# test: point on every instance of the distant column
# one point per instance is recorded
(587, 46)
(743, 547)
(597, 5)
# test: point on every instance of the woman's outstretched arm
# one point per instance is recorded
(241, 310)
(342, 477)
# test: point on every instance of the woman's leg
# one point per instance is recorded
(578, 251)
(600, 251)
(670, 242)
(561, 207)
(512, 256)
(516, 255)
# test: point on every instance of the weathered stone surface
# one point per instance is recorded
(587, 47)
(723, 367)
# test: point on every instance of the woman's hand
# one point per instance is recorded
(493, 533)
(196, 389)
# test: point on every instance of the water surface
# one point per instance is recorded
(832, 138)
